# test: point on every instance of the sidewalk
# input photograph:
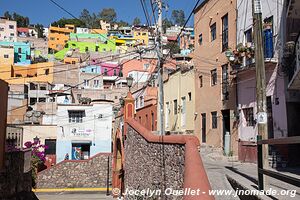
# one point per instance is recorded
(220, 169)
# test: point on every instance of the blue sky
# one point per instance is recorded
(45, 12)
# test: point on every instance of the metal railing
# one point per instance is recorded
(261, 171)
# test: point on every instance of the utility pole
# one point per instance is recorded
(160, 68)
(260, 87)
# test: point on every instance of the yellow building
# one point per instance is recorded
(179, 101)
(6, 55)
(14, 74)
(141, 37)
(98, 31)
(58, 37)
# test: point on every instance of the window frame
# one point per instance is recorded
(249, 116)
(76, 116)
(214, 77)
(213, 32)
(225, 36)
(214, 120)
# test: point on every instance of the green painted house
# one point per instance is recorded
(86, 47)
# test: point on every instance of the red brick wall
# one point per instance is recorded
(145, 115)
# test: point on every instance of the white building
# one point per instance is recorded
(84, 130)
(8, 30)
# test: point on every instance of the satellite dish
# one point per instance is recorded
(37, 114)
(29, 114)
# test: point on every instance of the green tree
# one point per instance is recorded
(86, 18)
(166, 24)
(63, 21)
(108, 14)
(122, 23)
(136, 21)
(7, 15)
(39, 29)
(173, 47)
(178, 17)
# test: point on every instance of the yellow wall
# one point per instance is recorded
(141, 37)
(98, 31)
(37, 71)
(6, 51)
(177, 86)
(69, 60)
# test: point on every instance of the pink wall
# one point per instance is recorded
(247, 98)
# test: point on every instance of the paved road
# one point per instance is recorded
(73, 196)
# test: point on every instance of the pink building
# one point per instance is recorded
(246, 100)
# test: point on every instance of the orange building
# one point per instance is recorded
(58, 37)
(14, 74)
(215, 32)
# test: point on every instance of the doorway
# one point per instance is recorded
(226, 123)
(270, 118)
(203, 115)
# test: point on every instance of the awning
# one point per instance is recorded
(81, 142)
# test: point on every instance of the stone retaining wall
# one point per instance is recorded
(90, 173)
(14, 183)
(152, 165)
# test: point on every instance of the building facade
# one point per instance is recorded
(22, 52)
(58, 37)
(8, 30)
(215, 32)
(179, 101)
(83, 130)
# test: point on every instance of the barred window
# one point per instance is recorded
(76, 116)
(248, 113)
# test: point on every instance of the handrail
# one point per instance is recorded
(287, 140)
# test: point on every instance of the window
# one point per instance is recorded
(200, 39)
(6, 56)
(96, 83)
(32, 101)
(141, 101)
(42, 99)
(140, 119)
(213, 74)
(214, 120)
(86, 83)
(19, 50)
(190, 96)
(213, 32)
(248, 113)
(105, 72)
(225, 32)
(46, 71)
(225, 82)
(115, 72)
(32, 86)
(248, 35)
(28, 57)
(201, 81)
(12, 34)
(97, 48)
(51, 144)
(268, 38)
(73, 62)
(11, 26)
(76, 116)
(86, 49)
(43, 87)
(175, 107)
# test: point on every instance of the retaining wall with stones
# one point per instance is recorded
(152, 165)
(91, 173)
(14, 182)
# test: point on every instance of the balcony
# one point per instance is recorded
(294, 83)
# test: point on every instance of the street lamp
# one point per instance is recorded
(229, 55)
(122, 101)
(36, 140)
(129, 80)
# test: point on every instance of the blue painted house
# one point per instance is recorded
(22, 52)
